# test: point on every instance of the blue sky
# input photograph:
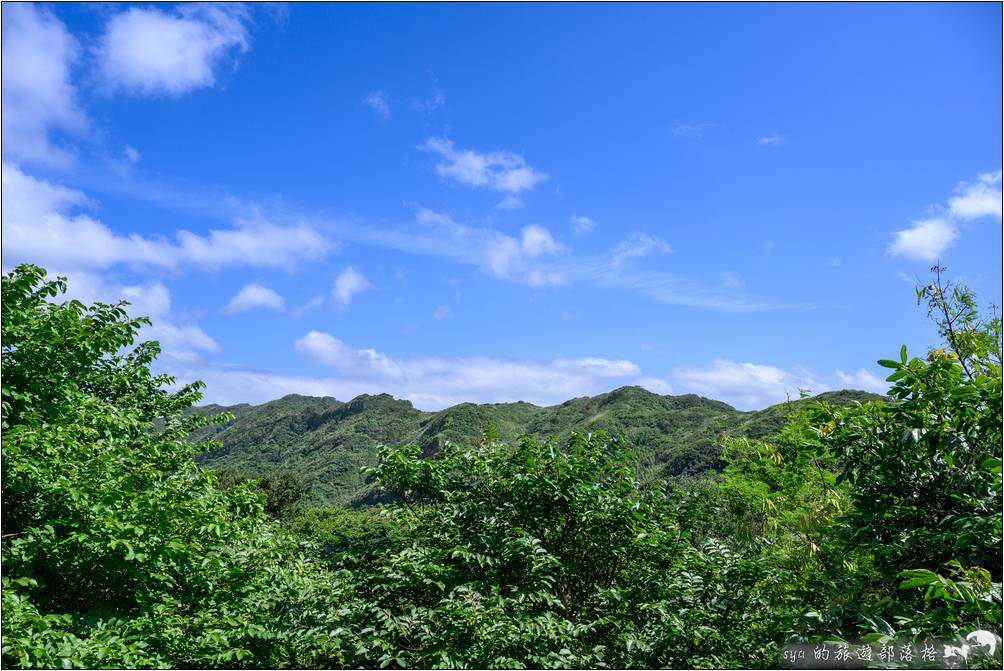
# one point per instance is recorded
(494, 203)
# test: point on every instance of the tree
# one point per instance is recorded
(924, 471)
(118, 550)
(283, 490)
(542, 554)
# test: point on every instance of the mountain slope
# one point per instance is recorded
(326, 442)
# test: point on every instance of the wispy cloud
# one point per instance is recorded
(691, 129)
(148, 51)
(499, 170)
(349, 283)
(424, 215)
(674, 289)
(927, 239)
(42, 223)
(581, 223)
(500, 255)
(732, 280)
(254, 296)
(537, 241)
(772, 140)
(378, 102)
(636, 246)
(510, 202)
(309, 306)
(435, 101)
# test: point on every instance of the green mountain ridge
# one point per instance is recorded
(326, 442)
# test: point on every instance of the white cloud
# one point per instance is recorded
(254, 242)
(41, 225)
(835, 261)
(732, 280)
(746, 386)
(38, 228)
(636, 246)
(500, 255)
(508, 258)
(254, 296)
(582, 224)
(600, 367)
(442, 312)
(981, 198)
(772, 140)
(924, 240)
(767, 247)
(152, 300)
(510, 202)
(927, 239)
(863, 379)
(906, 278)
(148, 51)
(309, 306)
(691, 129)
(132, 154)
(543, 278)
(377, 101)
(38, 96)
(437, 382)
(655, 385)
(500, 171)
(330, 351)
(435, 100)
(424, 215)
(349, 283)
(537, 241)
(180, 343)
(672, 289)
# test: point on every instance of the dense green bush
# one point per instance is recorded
(548, 555)
(924, 471)
(283, 490)
(117, 549)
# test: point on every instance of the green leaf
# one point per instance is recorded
(992, 464)
(918, 578)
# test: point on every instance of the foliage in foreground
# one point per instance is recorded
(877, 521)
(117, 549)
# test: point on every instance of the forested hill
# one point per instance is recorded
(325, 441)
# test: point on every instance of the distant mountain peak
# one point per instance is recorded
(326, 442)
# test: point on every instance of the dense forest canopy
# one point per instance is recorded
(875, 522)
(326, 443)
